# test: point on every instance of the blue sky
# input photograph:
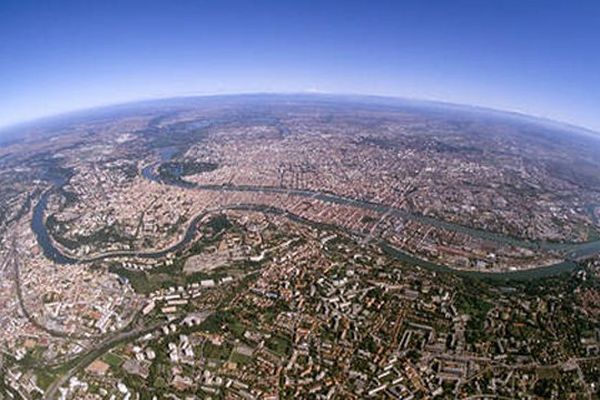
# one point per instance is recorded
(536, 57)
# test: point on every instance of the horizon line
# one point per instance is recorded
(23, 124)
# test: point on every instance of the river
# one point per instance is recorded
(571, 251)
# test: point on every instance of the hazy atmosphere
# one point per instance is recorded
(313, 200)
(536, 57)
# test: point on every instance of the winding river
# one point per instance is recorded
(571, 251)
